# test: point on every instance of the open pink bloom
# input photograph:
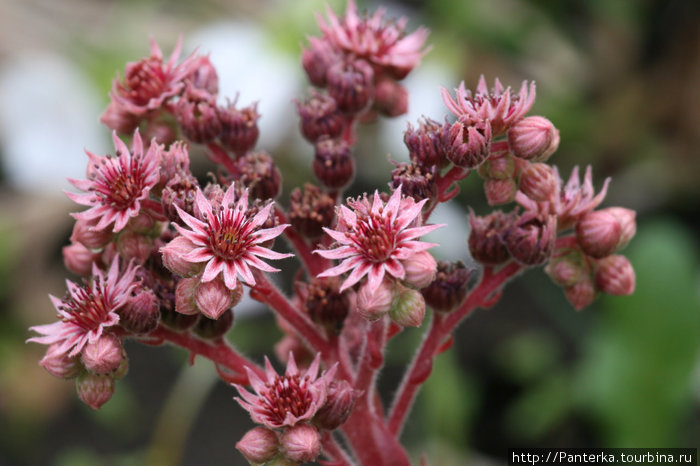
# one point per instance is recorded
(502, 107)
(118, 186)
(227, 238)
(88, 310)
(149, 82)
(381, 42)
(375, 239)
(285, 400)
(574, 200)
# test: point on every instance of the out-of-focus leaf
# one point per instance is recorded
(527, 356)
(540, 408)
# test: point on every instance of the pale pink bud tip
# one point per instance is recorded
(104, 355)
(184, 296)
(500, 192)
(373, 304)
(408, 308)
(420, 269)
(538, 182)
(213, 298)
(173, 254)
(94, 390)
(258, 445)
(615, 275)
(628, 224)
(59, 364)
(79, 259)
(533, 138)
(301, 443)
(598, 233)
(581, 294)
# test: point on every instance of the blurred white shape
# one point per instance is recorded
(452, 238)
(48, 117)
(249, 67)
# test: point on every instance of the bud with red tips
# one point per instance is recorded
(317, 59)
(180, 191)
(581, 294)
(615, 275)
(258, 445)
(408, 307)
(628, 224)
(533, 138)
(449, 288)
(539, 182)
(104, 355)
(94, 390)
(598, 233)
(373, 304)
(213, 298)
(339, 403)
(420, 269)
(85, 233)
(530, 239)
(319, 116)
(350, 84)
(59, 364)
(500, 192)
(197, 116)
(467, 144)
(260, 175)
(310, 210)
(425, 144)
(141, 313)
(486, 237)
(333, 164)
(175, 161)
(208, 328)
(239, 127)
(390, 98)
(301, 443)
(78, 259)
(417, 182)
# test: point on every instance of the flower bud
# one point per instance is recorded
(117, 118)
(449, 288)
(102, 356)
(538, 182)
(319, 116)
(141, 313)
(258, 445)
(213, 297)
(425, 146)
(180, 191)
(301, 443)
(486, 237)
(174, 161)
(326, 305)
(530, 240)
(239, 127)
(94, 390)
(197, 116)
(390, 98)
(581, 294)
(310, 210)
(214, 328)
(132, 245)
(317, 59)
(258, 173)
(467, 144)
(500, 192)
(567, 270)
(416, 182)
(85, 233)
(176, 320)
(184, 296)
(204, 76)
(598, 233)
(628, 224)
(161, 130)
(533, 138)
(374, 304)
(78, 259)
(333, 164)
(615, 275)
(499, 166)
(420, 269)
(59, 364)
(339, 403)
(408, 307)
(172, 256)
(350, 84)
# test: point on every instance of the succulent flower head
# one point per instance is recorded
(373, 239)
(87, 311)
(285, 400)
(118, 186)
(227, 239)
(502, 107)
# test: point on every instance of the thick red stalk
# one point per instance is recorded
(314, 264)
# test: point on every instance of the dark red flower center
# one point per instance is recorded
(144, 81)
(230, 234)
(287, 394)
(119, 186)
(375, 237)
(88, 307)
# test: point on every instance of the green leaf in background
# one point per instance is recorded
(636, 378)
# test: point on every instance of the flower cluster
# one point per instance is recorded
(165, 258)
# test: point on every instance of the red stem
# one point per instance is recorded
(333, 451)
(219, 155)
(442, 326)
(314, 264)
